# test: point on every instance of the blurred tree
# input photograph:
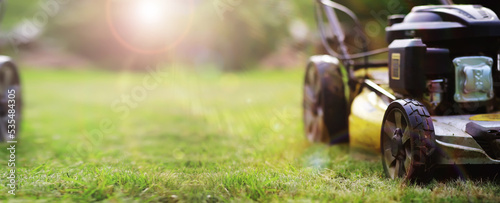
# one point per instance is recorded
(252, 31)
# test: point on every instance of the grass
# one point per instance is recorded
(195, 137)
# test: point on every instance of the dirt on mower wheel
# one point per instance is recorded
(407, 141)
(325, 108)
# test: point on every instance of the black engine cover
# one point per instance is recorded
(434, 24)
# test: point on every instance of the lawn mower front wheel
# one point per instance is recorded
(407, 141)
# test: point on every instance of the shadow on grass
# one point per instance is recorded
(490, 173)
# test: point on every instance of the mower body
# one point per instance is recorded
(447, 57)
(435, 101)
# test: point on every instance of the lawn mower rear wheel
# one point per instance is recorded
(10, 101)
(324, 102)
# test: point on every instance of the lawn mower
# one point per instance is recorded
(10, 95)
(434, 102)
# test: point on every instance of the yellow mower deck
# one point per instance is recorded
(367, 112)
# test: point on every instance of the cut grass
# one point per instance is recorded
(197, 136)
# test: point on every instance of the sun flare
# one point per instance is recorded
(150, 11)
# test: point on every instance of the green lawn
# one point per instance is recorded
(193, 137)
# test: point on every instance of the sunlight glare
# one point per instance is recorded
(150, 11)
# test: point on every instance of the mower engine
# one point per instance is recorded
(447, 56)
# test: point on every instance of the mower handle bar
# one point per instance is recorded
(329, 8)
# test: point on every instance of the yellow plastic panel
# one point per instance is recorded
(486, 117)
(365, 121)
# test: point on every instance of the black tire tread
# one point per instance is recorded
(334, 104)
(422, 139)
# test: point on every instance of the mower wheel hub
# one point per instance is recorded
(397, 147)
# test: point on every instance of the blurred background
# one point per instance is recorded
(230, 35)
(130, 34)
